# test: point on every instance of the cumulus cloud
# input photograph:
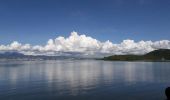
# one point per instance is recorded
(82, 45)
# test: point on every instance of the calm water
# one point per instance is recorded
(83, 80)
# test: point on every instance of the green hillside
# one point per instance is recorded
(156, 55)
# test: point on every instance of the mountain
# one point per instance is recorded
(11, 54)
(156, 55)
(20, 56)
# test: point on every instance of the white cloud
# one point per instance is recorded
(83, 45)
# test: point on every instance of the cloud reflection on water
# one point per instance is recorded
(74, 76)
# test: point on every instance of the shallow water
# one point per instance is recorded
(83, 80)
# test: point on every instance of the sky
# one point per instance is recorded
(35, 22)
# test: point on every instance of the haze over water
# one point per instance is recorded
(83, 79)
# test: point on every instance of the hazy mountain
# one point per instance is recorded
(156, 55)
(20, 56)
(11, 54)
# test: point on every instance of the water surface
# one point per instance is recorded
(83, 80)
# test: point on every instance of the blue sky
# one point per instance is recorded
(36, 21)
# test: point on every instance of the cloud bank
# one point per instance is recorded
(82, 45)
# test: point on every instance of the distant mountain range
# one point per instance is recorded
(11, 54)
(20, 56)
(156, 55)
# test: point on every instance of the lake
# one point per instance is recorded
(83, 80)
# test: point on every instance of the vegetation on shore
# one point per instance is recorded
(156, 55)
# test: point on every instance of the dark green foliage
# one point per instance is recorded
(161, 54)
(156, 55)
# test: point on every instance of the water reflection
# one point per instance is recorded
(75, 77)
